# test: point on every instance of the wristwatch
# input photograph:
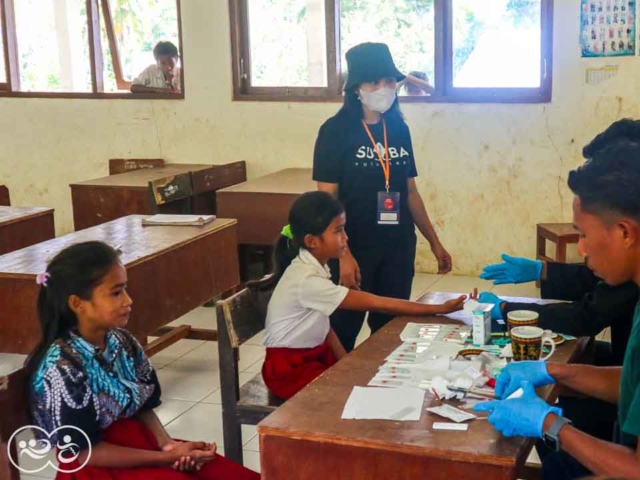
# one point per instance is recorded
(551, 437)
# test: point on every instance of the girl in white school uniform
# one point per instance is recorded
(300, 342)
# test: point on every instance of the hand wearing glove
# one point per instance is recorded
(513, 270)
(496, 311)
(521, 417)
(516, 373)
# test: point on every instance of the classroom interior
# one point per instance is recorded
(489, 173)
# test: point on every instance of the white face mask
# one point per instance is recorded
(379, 101)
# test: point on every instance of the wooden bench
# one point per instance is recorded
(124, 165)
(241, 317)
(561, 234)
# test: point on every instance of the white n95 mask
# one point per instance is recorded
(379, 101)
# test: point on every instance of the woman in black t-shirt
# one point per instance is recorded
(364, 156)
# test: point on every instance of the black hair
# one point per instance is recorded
(165, 48)
(625, 128)
(76, 270)
(310, 214)
(607, 184)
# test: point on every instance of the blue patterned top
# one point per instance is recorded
(80, 385)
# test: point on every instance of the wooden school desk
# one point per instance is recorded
(24, 226)
(261, 206)
(107, 198)
(306, 437)
(172, 270)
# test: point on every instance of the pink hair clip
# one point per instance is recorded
(43, 278)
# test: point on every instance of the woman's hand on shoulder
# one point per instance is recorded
(350, 276)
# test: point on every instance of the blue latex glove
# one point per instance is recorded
(488, 297)
(516, 373)
(519, 417)
(513, 270)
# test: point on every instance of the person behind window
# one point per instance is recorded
(164, 76)
(416, 84)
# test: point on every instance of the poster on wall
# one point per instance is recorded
(608, 28)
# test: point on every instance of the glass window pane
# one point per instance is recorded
(110, 84)
(139, 25)
(287, 39)
(406, 26)
(497, 43)
(53, 45)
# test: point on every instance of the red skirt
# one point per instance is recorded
(134, 434)
(286, 371)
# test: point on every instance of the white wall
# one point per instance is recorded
(488, 173)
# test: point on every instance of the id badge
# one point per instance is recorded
(388, 208)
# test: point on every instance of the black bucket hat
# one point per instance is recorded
(369, 62)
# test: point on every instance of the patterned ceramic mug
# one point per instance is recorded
(527, 343)
(522, 318)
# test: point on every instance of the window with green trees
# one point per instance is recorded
(87, 48)
(467, 50)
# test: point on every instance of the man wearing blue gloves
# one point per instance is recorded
(592, 304)
(607, 214)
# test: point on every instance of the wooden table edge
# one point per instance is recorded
(465, 457)
(229, 222)
(29, 216)
(109, 187)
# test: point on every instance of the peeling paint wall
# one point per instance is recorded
(488, 173)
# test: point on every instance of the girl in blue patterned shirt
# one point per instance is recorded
(89, 373)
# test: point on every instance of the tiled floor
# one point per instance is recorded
(189, 375)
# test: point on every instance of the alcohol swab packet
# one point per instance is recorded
(452, 413)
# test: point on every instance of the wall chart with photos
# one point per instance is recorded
(608, 28)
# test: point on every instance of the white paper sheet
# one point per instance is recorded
(378, 403)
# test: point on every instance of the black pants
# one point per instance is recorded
(387, 270)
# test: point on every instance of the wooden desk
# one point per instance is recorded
(262, 205)
(172, 270)
(107, 198)
(22, 227)
(307, 435)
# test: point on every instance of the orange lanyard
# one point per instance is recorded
(385, 165)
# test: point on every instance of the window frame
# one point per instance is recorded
(444, 91)
(96, 56)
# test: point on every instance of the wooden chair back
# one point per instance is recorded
(171, 190)
(244, 314)
(241, 317)
(5, 200)
(123, 165)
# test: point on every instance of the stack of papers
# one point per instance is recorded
(399, 404)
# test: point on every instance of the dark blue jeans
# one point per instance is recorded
(387, 270)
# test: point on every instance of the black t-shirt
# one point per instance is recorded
(344, 155)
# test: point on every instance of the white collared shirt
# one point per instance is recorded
(152, 76)
(298, 313)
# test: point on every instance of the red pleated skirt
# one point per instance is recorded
(286, 371)
(134, 434)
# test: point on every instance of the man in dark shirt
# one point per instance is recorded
(591, 305)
